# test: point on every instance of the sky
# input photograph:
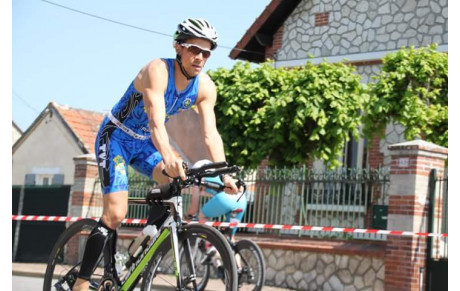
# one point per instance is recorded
(87, 62)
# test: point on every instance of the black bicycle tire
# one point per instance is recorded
(60, 243)
(249, 244)
(219, 241)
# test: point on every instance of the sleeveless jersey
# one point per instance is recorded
(131, 112)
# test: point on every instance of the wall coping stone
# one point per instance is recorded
(87, 159)
(417, 145)
(354, 247)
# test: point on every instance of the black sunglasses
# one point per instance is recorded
(196, 50)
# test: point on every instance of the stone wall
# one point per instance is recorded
(304, 270)
(367, 72)
(362, 27)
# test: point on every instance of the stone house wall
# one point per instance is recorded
(362, 27)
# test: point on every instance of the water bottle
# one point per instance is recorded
(138, 245)
(120, 261)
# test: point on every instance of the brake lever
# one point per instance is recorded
(240, 183)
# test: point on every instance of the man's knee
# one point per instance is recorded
(115, 208)
(113, 218)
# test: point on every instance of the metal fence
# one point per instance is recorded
(299, 196)
(341, 198)
(438, 214)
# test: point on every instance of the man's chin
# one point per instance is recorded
(196, 71)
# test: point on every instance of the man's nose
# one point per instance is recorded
(200, 56)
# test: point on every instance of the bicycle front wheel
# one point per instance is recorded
(64, 261)
(212, 259)
(250, 264)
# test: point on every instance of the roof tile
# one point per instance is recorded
(84, 123)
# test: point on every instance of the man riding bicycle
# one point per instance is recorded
(134, 133)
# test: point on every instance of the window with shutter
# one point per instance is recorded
(58, 179)
(30, 179)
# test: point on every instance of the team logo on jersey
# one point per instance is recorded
(187, 102)
(119, 164)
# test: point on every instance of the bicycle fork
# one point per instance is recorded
(188, 258)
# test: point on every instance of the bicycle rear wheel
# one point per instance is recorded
(65, 258)
(250, 264)
(202, 238)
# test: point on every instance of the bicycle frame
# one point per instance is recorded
(169, 228)
(137, 267)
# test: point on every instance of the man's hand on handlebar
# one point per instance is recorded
(175, 168)
(196, 176)
(230, 185)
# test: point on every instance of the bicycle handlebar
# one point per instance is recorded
(193, 177)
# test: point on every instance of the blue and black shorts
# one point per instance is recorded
(115, 150)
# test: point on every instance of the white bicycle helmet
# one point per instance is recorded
(196, 27)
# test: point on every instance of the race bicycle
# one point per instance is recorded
(174, 236)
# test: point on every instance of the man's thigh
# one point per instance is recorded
(148, 161)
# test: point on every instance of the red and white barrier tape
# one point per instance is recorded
(244, 225)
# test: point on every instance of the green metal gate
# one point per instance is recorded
(437, 251)
(33, 240)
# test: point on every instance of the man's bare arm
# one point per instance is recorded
(154, 80)
(205, 104)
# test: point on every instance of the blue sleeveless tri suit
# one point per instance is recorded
(124, 137)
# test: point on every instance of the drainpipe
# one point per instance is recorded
(18, 223)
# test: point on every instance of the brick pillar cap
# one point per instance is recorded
(417, 145)
(87, 157)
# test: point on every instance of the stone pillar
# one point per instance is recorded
(411, 163)
(86, 196)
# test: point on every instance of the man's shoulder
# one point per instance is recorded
(157, 64)
(206, 87)
(205, 80)
(155, 71)
(155, 68)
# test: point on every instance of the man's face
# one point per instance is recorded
(194, 53)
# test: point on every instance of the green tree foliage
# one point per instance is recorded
(289, 115)
(412, 90)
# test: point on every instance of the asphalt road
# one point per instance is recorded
(29, 277)
(21, 283)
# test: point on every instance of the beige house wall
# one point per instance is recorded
(16, 134)
(49, 149)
